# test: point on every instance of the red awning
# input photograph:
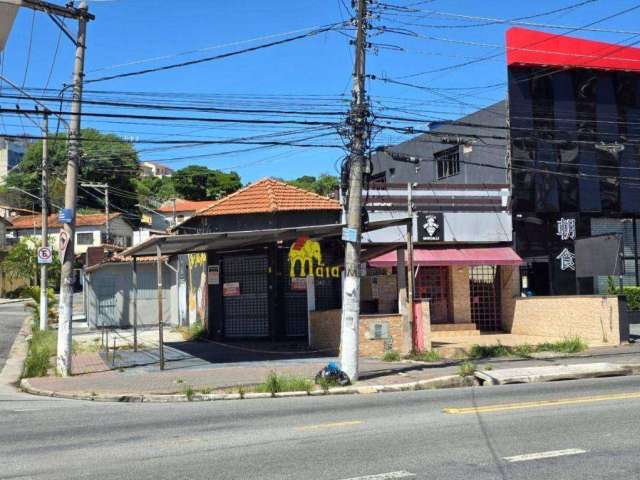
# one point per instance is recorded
(453, 256)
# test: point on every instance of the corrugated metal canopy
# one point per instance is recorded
(202, 242)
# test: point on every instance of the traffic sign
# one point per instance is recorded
(45, 255)
(65, 215)
(63, 241)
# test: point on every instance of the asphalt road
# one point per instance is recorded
(592, 431)
(11, 318)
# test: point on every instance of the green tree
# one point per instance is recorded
(21, 262)
(197, 182)
(106, 158)
(154, 188)
(325, 184)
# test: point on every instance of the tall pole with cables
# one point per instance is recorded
(44, 300)
(358, 120)
(63, 359)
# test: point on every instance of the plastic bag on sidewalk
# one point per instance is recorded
(332, 373)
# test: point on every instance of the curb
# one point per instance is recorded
(14, 365)
(449, 381)
(13, 300)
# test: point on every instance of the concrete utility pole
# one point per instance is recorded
(351, 288)
(105, 192)
(63, 359)
(410, 274)
(44, 300)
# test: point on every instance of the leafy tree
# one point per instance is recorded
(106, 158)
(197, 182)
(155, 187)
(21, 262)
(325, 184)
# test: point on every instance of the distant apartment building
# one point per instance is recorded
(152, 169)
(10, 155)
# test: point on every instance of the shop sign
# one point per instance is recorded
(566, 228)
(298, 284)
(567, 260)
(305, 260)
(430, 227)
(231, 289)
(213, 274)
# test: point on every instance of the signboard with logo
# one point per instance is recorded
(430, 227)
(305, 260)
(213, 274)
(65, 215)
(45, 255)
(231, 289)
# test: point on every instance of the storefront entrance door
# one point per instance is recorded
(484, 288)
(432, 283)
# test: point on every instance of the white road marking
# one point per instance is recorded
(540, 455)
(384, 476)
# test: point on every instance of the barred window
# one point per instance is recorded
(447, 162)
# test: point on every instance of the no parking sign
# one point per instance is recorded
(45, 255)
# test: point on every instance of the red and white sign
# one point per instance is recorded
(63, 242)
(231, 289)
(45, 255)
(299, 284)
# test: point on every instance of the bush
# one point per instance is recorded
(391, 356)
(42, 346)
(489, 351)
(193, 333)
(33, 293)
(427, 356)
(276, 383)
(633, 297)
(466, 369)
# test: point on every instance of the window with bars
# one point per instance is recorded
(447, 162)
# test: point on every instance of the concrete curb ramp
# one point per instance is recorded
(449, 381)
(554, 373)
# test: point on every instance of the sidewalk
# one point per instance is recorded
(184, 370)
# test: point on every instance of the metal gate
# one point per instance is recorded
(484, 288)
(105, 292)
(432, 283)
(246, 314)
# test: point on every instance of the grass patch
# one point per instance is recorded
(489, 351)
(188, 392)
(391, 356)
(568, 345)
(327, 383)
(524, 350)
(426, 356)
(193, 333)
(42, 346)
(466, 369)
(276, 383)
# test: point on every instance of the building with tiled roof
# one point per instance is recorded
(175, 211)
(266, 203)
(91, 229)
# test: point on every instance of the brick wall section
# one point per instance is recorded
(459, 294)
(593, 318)
(325, 332)
(509, 293)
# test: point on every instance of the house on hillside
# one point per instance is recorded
(153, 169)
(172, 212)
(91, 230)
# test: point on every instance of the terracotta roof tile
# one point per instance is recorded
(35, 221)
(185, 205)
(267, 196)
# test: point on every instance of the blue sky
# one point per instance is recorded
(310, 74)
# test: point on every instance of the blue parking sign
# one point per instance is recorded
(65, 215)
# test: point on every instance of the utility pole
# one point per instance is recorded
(63, 359)
(44, 300)
(105, 192)
(358, 120)
(410, 278)
(175, 222)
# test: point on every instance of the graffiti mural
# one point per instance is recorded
(307, 254)
(197, 287)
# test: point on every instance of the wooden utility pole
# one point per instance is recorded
(44, 194)
(63, 359)
(351, 287)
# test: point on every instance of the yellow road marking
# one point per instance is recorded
(540, 403)
(331, 425)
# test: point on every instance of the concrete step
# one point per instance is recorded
(457, 334)
(450, 327)
(551, 373)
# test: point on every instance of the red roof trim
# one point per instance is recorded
(531, 47)
(453, 256)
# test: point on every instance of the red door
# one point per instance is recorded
(432, 283)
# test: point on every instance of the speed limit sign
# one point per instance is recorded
(45, 255)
